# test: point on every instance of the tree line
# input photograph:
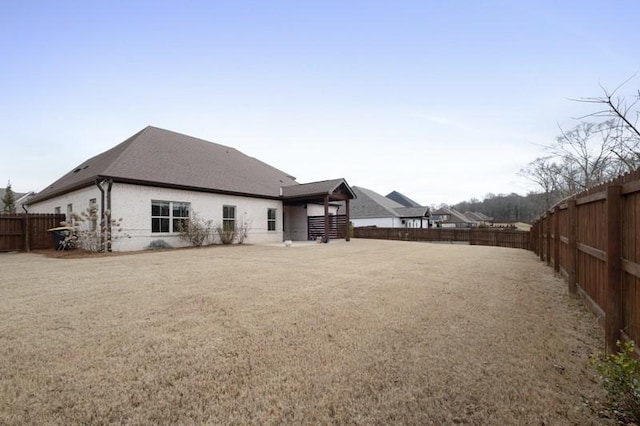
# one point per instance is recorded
(601, 146)
(505, 207)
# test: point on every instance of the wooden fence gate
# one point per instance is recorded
(25, 232)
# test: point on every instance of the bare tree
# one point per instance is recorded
(580, 158)
(545, 173)
(623, 115)
(592, 152)
(586, 154)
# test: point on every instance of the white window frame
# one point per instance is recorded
(228, 221)
(171, 216)
(272, 221)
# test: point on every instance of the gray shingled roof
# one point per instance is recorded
(324, 187)
(412, 211)
(454, 215)
(478, 216)
(16, 195)
(402, 199)
(371, 204)
(160, 157)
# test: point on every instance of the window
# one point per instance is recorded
(168, 216)
(271, 219)
(180, 212)
(69, 211)
(56, 210)
(160, 216)
(228, 218)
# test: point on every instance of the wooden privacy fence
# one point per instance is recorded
(474, 236)
(24, 232)
(591, 239)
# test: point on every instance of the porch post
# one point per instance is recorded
(326, 218)
(348, 237)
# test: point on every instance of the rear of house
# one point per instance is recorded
(156, 180)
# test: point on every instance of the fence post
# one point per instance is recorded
(27, 233)
(540, 239)
(572, 211)
(548, 242)
(556, 238)
(614, 315)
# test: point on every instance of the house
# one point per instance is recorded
(156, 179)
(446, 217)
(481, 218)
(372, 209)
(402, 199)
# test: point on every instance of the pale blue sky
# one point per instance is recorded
(440, 100)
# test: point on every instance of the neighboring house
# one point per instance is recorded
(21, 199)
(481, 218)
(447, 217)
(157, 178)
(372, 209)
(402, 199)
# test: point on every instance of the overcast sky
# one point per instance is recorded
(440, 100)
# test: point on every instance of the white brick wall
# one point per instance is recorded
(79, 199)
(132, 203)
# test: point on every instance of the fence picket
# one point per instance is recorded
(601, 233)
(24, 232)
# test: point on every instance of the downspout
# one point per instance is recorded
(102, 224)
(109, 214)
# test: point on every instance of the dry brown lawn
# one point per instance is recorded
(366, 332)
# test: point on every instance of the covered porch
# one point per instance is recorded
(317, 209)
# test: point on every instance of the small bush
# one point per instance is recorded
(158, 244)
(226, 234)
(196, 231)
(90, 236)
(230, 234)
(621, 375)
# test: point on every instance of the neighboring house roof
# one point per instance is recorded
(454, 215)
(20, 198)
(321, 188)
(483, 216)
(420, 211)
(16, 195)
(402, 199)
(24, 198)
(370, 204)
(477, 216)
(164, 158)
